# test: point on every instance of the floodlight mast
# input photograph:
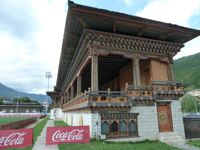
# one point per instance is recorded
(48, 75)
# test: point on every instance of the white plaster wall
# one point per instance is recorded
(73, 119)
(147, 121)
(177, 118)
(96, 125)
(58, 113)
(52, 114)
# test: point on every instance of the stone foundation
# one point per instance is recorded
(147, 121)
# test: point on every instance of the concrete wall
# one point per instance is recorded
(177, 118)
(85, 119)
(147, 121)
(58, 113)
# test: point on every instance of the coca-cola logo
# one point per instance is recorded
(16, 138)
(73, 135)
(69, 134)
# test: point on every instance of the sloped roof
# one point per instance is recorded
(81, 17)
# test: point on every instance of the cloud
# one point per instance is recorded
(190, 48)
(171, 11)
(31, 35)
(176, 12)
(128, 2)
(17, 18)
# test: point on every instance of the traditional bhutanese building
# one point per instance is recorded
(116, 75)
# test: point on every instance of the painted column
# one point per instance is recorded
(79, 80)
(72, 92)
(171, 69)
(136, 71)
(68, 96)
(94, 73)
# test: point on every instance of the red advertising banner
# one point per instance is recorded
(16, 138)
(72, 134)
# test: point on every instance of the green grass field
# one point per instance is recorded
(37, 130)
(60, 123)
(194, 143)
(6, 120)
(102, 145)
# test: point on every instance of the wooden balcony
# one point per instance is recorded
(97, 99)
(168, 90)
(157, 91)
(109, 99)
(144, 95)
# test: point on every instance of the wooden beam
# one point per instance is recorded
(141, 31)
(74, 36)
(82, 22)
(165, 35)
(114, 26)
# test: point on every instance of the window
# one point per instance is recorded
(114, 129)
(132, 128)
(123, 128)
(105, 128)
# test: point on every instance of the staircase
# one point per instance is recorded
(171, 138)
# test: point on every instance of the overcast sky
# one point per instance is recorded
(31, 33)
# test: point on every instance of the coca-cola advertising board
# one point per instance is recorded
(16, 138)
(72, 134)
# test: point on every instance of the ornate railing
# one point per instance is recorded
(157, 90)
(140, 91)
(97, 98)
(108, 96)
(77, 102)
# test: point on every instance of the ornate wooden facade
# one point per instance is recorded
(113, 61)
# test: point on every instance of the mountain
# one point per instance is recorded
(11, 93)
(187, 69)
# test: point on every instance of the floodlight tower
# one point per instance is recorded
(48, 75)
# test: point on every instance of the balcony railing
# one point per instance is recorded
(108, 96)
(158, 90)
(97, 99)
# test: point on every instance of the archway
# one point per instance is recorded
(105, 128)
(132, 127)
(114, 129)
(123, 128)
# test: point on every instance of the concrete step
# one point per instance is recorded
(171, 137)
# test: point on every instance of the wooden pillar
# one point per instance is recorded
(79, 84)
(72, 92)
(68, 96)
(136, 72)
(94, 73)
(171, 69)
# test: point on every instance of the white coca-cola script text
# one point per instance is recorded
(12, 139)
(74, 135)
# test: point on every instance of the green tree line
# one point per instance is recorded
(190, 104)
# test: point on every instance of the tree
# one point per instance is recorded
(24, 100)
(189, 103)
